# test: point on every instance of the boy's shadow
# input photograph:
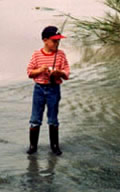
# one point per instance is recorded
(40, 177)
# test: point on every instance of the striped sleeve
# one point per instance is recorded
(32, 64)
(65, 66)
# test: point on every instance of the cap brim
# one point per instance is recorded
(57, 37)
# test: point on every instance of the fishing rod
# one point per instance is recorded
(54, 62)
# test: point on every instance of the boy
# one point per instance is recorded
(48, 66)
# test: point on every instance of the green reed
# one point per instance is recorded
(104, 30)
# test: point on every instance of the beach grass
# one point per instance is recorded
(104, 30)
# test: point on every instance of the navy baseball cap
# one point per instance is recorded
(51, 32)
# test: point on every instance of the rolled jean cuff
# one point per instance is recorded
(34, 125)
(55, 124)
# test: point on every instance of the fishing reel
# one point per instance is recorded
(52, 77)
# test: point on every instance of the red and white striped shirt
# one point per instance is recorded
(40, 58)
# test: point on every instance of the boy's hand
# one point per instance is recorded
(44, 68)
(36, 72)
(58, 74)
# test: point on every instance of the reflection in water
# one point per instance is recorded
(39, 177)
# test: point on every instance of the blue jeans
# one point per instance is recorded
(45, 95)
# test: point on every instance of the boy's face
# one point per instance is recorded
(51, 44)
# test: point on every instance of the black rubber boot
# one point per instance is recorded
(54, 140)
(33, 137)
